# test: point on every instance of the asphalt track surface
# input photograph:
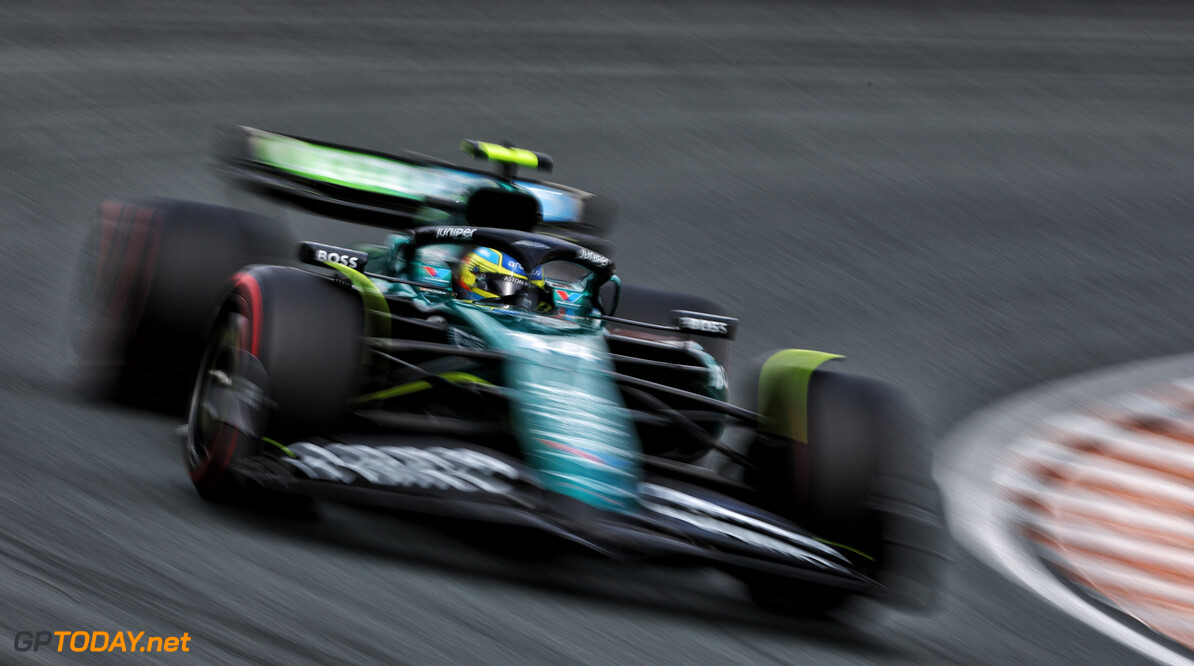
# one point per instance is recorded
(966, 201)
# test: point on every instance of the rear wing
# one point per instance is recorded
(398, 192)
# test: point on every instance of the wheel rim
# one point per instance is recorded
(206, 429)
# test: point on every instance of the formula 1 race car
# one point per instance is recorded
(486, 362)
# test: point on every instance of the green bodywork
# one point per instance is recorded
(569, 416)
(411, 187)
(566, 411)
(360, 171)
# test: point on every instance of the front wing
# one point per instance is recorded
(674, 521)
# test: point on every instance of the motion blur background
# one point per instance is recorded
(964, 200)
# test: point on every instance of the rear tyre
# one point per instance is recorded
(153, 274)
(655, 306)
(282, 362)
(828, 484)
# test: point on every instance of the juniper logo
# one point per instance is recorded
(98, 641)
(454, 232)
(586, 254)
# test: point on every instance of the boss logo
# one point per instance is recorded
(347, 260)
(318, 253)
(700, 323)
(455, 233)
(691, 324)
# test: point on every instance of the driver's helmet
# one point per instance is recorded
(488, 277)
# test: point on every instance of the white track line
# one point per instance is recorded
(977, 451)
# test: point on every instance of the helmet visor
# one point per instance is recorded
(501, 285)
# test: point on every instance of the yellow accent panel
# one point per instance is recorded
(377, 311)
(783, 391)
(420, 385)
(500, 153)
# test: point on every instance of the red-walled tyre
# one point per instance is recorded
(282, 362)
(153, 275)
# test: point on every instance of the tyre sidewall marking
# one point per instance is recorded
(247, 294)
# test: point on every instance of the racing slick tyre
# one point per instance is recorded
(655, 306)
(828, 484)
(153, 273)
(281, 362)
(674, 441)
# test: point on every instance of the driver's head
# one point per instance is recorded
(487, 275)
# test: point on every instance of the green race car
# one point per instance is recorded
(486, 361)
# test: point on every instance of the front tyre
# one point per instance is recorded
(827, 484)
(282, 362)
(223, 425)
